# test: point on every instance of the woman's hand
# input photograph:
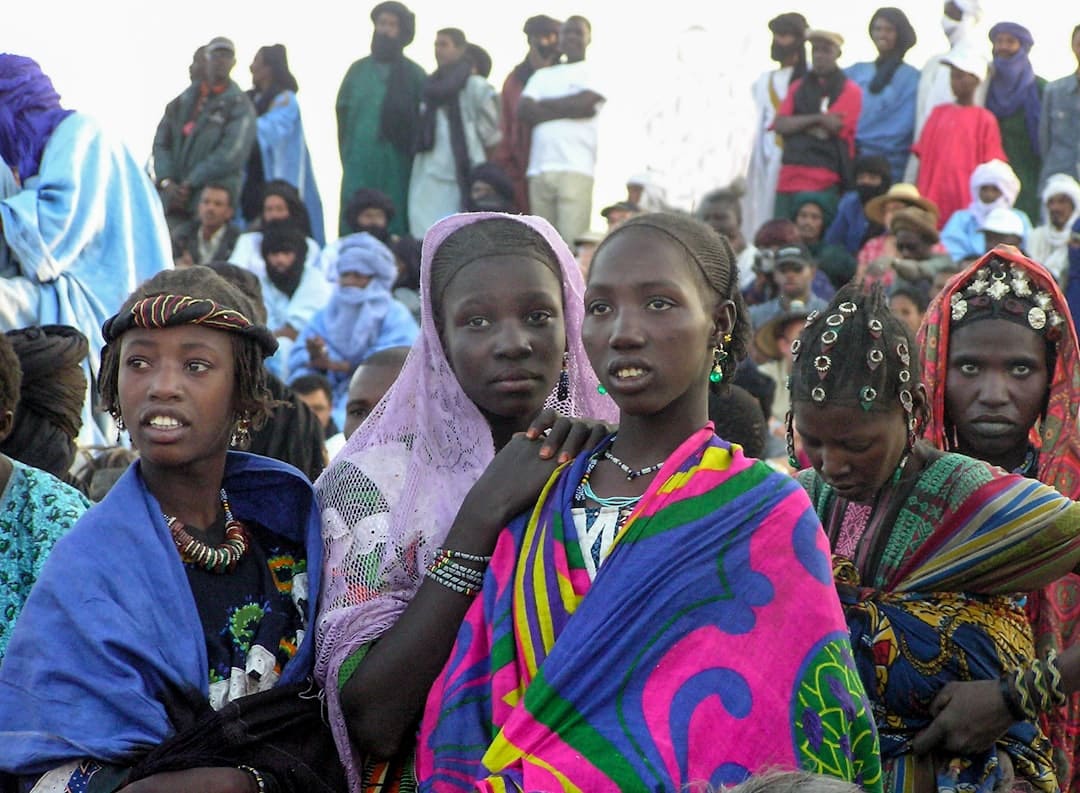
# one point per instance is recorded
(197, 780)
(968, 718)
(564, 438)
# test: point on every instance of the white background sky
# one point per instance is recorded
(678, 72)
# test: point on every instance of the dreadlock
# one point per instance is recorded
(714, 262)
(253, 400)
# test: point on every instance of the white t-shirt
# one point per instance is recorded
(565, 144)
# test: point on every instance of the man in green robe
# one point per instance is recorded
(377, 108)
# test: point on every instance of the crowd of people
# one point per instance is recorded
(472, 497)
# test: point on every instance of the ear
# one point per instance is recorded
(920, 407)
(7, 424)
(723, 321)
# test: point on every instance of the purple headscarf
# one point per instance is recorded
(389, 497)
(29, 112)
(1013, 85)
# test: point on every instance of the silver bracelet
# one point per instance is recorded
(260, 780)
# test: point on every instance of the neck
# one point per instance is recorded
(209, 231)
(191, 494)
(538, 61)
(790, 61)
(575, 58)
(644, 440)
(218, 83)
(503, 428)
(965, 101)
(1008, 461)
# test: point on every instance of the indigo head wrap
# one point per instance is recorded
(1013, 85)
(29, 112)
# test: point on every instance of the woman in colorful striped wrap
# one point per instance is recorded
(627, 631)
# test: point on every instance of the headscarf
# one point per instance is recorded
(1059, 456)
(887, 63)
(1061, 184)
(398, 114)
(29, 112)
(49, 413)
(355, 314)
(395, 488)
(1013, 85)
(365, 198)
(875, 164)
(794, 24)
(999, 174)
(824, 200)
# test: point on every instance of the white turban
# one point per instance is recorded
(1062, 184)
(998, 173)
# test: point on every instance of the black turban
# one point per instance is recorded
(49, 415)
(406, 20)
(789, 24)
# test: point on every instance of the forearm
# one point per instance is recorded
(792, 125)
(384, 698)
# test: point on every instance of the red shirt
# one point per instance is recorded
(796, 178)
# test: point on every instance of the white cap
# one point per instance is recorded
(1003, 221)
(967, 59)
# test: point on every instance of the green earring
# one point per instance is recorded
(717, 373)
(600, 388)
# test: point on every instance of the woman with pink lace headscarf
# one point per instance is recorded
(423, 487)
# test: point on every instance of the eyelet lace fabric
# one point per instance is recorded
(389, 497)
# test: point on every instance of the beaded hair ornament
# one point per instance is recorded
(1001, 290)
(855, 352)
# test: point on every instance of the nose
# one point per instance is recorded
(993, 389)
(625, 331)
(164, 383)
(512, 341)
(834, 465)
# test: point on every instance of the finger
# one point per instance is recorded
(576, 440)
(556, 438)
(544, 421)
(943, 698)
(929, 739)
(597, 434)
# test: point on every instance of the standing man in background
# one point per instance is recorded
(561, 103)
(377, 108)
(205, 136)
(512, 155)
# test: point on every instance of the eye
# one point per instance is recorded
(969, 369)
(198, 367)
(538, 317)
(477, 322)
(659, 304)
(136, 363)
(1020, 370)
(597, 308)
(358, 412)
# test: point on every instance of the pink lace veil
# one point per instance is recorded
(389, 497)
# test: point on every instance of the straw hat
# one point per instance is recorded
(765, 337)
(904, 193)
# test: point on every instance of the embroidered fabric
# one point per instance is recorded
(389, 497)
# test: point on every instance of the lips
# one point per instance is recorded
(162, 425)
(628, 375)
(515, 381)
(993, 426)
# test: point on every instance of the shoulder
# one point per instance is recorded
(954, 477)
(863, 70)
(60, 500)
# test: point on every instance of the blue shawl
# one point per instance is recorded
(112, 624)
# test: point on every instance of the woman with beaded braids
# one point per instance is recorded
(626, 637)
(1002, 368)
(931, 549)
(166, 644)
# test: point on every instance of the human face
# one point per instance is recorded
(1059, 208)
(177, 395)
(1076, 45)
(319, 404)
(545, 46)
(650, 329)
(810, 221)
(274, 208)
(371, 217)
(911, 246)
(995, 388)
(617, 216)
(868, 179)
(633, 193)
(855, 451)
(367, 387)
(993, 239)
(963, 84)
(281, 261)
(794, 279)
(504, 334)
(905, 310)
(1006, 45)
(883, 34)
(446, 52)
(260, 72)
(823, 56)
(354, 279)
(215, 209)
(722, 218)
(953, 11)
(388, 25)
(988, 193)
(219, 64)
(197, 69)
(574, 40)
(891, 208)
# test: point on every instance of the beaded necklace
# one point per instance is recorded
(631, 473)
(215, 558)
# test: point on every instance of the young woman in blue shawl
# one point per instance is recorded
(165, 646)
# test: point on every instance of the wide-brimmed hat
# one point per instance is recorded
(903, 192)
(918, 220)
(765, 337)
(1003, 220)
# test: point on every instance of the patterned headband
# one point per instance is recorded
(166, 311)
(997, 293)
